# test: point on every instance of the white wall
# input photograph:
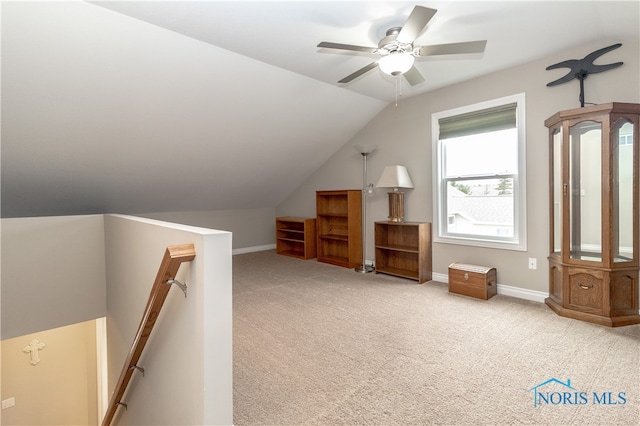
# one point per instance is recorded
(250, 227)
(53, 272)
(403, 136)
(188, 359)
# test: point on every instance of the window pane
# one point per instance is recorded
(481, 207)
(482, 154)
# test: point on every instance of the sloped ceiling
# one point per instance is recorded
(285, 34)
(135, 107)
(104, 113)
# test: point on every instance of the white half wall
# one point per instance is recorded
(52, 272)
(188, 359)
(250, 227)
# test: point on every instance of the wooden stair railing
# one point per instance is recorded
(174, 256)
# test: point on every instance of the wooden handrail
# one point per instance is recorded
(174, 256)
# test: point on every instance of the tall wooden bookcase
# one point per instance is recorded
(339, 227)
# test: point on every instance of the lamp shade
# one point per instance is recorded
(395, 177)
(396, 63)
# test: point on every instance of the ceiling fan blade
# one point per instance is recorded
(328, 45)
(451, 48)
(416, 22)
(358, 73)
(414, 76)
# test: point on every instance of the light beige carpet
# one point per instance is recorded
(316, 344)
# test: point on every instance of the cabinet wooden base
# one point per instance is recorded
(597, 295)
(596, 319)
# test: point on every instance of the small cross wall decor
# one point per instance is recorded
(33, 348)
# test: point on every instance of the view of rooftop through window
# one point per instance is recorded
(480, 171)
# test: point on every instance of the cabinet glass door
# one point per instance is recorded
(558, 191)
(585, 186)
(623, 155)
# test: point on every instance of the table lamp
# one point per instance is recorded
(395, 177)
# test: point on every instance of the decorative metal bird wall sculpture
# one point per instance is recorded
(581, 68)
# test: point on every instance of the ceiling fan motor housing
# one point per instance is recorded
(389, 44)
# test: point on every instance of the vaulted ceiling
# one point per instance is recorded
(136, 107)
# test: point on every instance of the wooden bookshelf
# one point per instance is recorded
(339, 227)
(296, 237)
(403, 249)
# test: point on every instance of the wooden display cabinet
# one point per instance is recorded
(403, 249)
(593, 260)
(296, 237)
(339, 227)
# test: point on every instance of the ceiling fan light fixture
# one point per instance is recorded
(396, 63)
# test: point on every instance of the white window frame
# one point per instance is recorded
(519, 241)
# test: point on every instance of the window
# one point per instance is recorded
(479, 174)
(625, 138)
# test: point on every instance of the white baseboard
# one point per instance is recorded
(441, 278)
(522, 293)
(244, 250)
(506, 290)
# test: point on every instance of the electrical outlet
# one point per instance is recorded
(8, 403)
(533, 263)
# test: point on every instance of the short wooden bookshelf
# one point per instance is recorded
(403, 249)
(296, 237)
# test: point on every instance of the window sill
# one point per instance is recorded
(519, 246)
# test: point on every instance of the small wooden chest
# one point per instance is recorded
(472, 280)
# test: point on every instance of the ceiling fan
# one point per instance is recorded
(397, 52)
